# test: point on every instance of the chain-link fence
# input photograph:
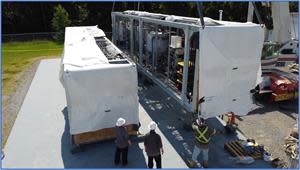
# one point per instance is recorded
(35, 36)
(28, 36)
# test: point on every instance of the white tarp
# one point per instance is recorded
(97, 92)
(229, 66)
(281, 22)
(294, 25)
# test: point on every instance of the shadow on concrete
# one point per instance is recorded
(97, 155)
(171, 118)
(284, 107)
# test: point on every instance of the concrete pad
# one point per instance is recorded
(171, 119)
(40, 137)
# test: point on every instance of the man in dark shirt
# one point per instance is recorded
(202, 133)
(122, 142)
(153, 146)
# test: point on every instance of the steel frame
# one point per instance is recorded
(188, 29)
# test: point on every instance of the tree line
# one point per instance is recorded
(28, 17)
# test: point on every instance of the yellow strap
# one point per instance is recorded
(201, 138)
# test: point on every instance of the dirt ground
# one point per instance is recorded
(270, 124)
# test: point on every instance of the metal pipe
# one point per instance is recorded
(186, 64)
(113, 24)
(220, 15)
(168, 69)
(164, 87)
(140, 41)
(155, 50)
(193, 27)
(131, 39)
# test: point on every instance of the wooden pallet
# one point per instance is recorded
(100, 135)
(236, 149)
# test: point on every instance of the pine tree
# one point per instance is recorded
(59, 21)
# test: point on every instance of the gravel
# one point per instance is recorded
(269, 125)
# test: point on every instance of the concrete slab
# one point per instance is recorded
(171, 119)
(40, 137)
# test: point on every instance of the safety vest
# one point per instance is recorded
(201, 137)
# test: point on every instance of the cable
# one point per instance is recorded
(200, 12)
(113, 7)
(257, 13)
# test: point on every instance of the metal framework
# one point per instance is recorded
(186, 28)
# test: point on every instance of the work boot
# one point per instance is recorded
(205, 164)
(192, 164)
(3, 155)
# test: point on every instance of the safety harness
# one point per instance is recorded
(201, 136)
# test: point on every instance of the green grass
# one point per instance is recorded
(18, 56)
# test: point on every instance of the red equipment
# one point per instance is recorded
(284, 86)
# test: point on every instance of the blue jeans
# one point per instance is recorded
(197, 151)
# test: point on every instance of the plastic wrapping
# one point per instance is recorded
(229, 68)
(97, 92)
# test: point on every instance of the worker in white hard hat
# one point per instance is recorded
(202, 133)
(122, 142)
(153, 146)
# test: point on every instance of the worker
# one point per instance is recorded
(231, 125)
(291, 147)
(153, 146)
(202, 133)
(122, 142)
(231, 119)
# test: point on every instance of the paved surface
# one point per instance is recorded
(12, 103)
(171, 119)
(40, 137)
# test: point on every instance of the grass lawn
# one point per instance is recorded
(18, 56)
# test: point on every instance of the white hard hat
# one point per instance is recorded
(120, 122)
(152, 125)
(200, 121)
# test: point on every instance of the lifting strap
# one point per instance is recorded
(200, 12)
(113, 7)
(201, 136)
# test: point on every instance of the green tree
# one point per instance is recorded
(83, 14)
(59, 21)
(80, 14)
(294, 6)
